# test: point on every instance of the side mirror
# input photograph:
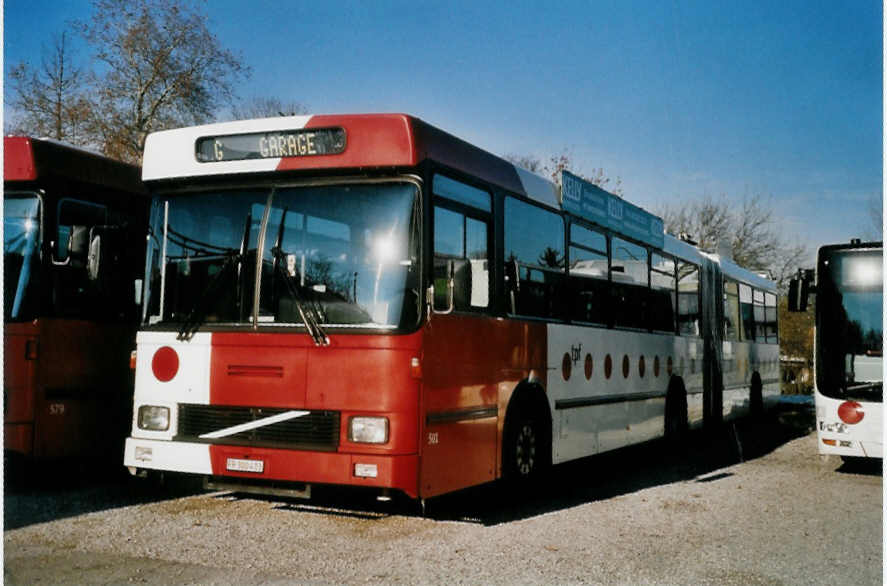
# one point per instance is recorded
(512, 282)
(77, 249)
(444, 285)
(94, 257)
(798, 290)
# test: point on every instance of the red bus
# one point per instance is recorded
(367, 300)
(74, 226)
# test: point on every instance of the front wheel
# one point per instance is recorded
(526, 452)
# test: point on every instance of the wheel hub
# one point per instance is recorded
(525, 450)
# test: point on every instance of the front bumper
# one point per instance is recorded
(398, 472)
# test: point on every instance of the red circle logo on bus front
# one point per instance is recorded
(566, 367)
(850, 412)
(165, 364)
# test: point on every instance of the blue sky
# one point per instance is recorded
(679, 99)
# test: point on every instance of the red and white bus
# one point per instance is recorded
(74, 226)
(848, 347)
(367, 300)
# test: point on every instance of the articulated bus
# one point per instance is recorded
(69, 325)
(367, 300)
(848, 347)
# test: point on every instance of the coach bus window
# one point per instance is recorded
(210, 241)
(731, 311)
(629, 271)
(74, 294)
(760, 319)
(534, 248)
(662, 293)
(462, 193)
(343, 252)
(747, 313)
(21, 243)
(460, 247)
(589, 276)
(688, 299)
(461, 219)
(75, 218)
(770, 321)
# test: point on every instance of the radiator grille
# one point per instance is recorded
(318, 430)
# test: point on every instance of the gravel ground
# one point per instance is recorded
(755, 505)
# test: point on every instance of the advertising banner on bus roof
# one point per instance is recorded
(586, 200)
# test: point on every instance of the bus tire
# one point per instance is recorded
(526, 441)
(756, 397)
(676, 424)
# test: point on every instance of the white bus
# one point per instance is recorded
(848, 347)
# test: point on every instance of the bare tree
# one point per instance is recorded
(50, 101)
(755, 240)
(564, 161)
(160, 68)
(262, 107)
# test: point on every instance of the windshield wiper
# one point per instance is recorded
(197, 314)
(309, 318)
(865, 386)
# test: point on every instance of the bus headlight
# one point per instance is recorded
(368, 430)
(153, 418)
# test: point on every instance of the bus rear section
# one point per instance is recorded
(74, 225)
(849, 350)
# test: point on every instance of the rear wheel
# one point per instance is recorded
(756, 397)
(676, 410)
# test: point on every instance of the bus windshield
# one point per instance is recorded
(338, 255)
(849, 322)
(21, 240)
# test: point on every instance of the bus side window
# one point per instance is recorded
(461, 250)
(731, 311)
(662, 293)
(745, 308)
(73, 293)
(688, 299)
(534, 246)
(760, 326)
(589, 276)
(630, 282)
(771, 322)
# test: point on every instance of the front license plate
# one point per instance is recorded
(238, 465)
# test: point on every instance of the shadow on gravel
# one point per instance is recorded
(59, 493)
(865, 466)
(631, 469)
(48, 492)
(591, 479)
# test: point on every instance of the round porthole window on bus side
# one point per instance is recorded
(566, 367)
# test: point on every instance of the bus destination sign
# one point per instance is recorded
(304, 142)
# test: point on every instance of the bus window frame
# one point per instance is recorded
(608, 278)
(56, 243)
(674, 289)
(559, 300)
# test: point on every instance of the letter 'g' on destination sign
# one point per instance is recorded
(271, 145)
